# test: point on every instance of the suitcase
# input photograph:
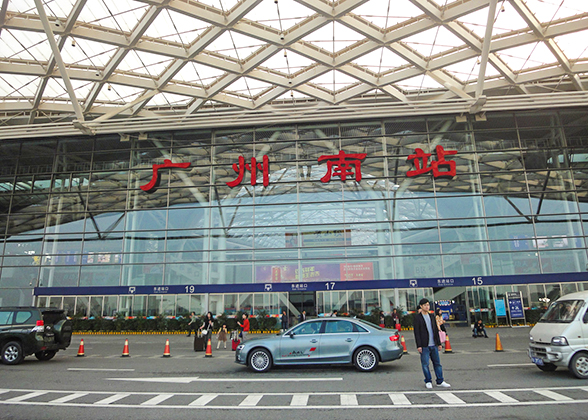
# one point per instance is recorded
(235, 343)
(199, 343)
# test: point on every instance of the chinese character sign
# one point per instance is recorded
(421, 163)
(156, 177)
(241, 167)
(343, 165)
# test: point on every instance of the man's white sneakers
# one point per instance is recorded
(429, 385)
(443, 385)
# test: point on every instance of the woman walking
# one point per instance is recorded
(441, 325)
(207, 326)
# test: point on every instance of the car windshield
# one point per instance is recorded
(374, 326)
(562, 311)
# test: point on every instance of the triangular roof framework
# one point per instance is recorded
(127, 64)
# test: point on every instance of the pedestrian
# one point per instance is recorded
(302, 317)
(426, 334)
(245, 326)
(207, 326)
(382, 319)
(334, 313)
(479, 329)
(396, 319)
(223, 334)
(284, 317)
(191, 324)
(441, 325)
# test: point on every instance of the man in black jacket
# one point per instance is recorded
(302, 316)
(426, 334)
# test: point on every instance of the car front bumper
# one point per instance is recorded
(240, 357)
(558, 356)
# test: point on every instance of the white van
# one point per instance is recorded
(560, 338)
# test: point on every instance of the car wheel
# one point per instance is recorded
(12, 353)
(260, 360)
(547, 367)
(579, 365)
(365, 359)
(45, 355)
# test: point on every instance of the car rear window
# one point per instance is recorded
(22, 317)
(6, 317)
(359, 328)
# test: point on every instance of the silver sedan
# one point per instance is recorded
(323, 341)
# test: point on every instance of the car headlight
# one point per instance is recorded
(559, 341)
(240, 347)
(531, 338)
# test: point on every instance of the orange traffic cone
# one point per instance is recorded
(81, 349)
(166, 352)
(126, 349)
(404, 351)
(208, 349)
(498, 343)
(448, 348)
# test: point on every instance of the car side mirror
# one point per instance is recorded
(585, 318)
(291, 334)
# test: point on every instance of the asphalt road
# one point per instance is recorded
(104, 385)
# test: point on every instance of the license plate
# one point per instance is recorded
(537, 361)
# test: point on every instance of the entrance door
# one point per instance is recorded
(302, 301)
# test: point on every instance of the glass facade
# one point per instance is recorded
(73, 214)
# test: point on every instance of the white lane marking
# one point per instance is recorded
(157, 399)
(321, 407)
(26, 396)
(113, 398)
(251, 400)
(399, 399)
(203, 400)
(102, 370)
(450, 398)
(68, 398)
(503, 398)
(553, 395)
(511, 364)
(299, 399)
(349, 399)
(185, 380)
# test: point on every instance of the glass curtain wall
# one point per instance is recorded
(257, 205)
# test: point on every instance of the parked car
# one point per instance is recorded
(560, 338)
(28, 330)
(323, 341)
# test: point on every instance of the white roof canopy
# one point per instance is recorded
(119, 65)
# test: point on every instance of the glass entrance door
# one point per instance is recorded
(302, 301)
(481, 304)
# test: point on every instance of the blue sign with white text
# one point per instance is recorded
(515, 305)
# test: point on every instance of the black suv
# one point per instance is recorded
(28, 330)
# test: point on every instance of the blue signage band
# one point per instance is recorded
(313, 286)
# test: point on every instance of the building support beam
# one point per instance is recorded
(3, 14)
(60, 64)
(481, 100)
(71, 20)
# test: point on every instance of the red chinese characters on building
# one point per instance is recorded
(343, 165)
(241, 167)
(421, 163)
(156, 177)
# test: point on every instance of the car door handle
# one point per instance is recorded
(314, 340)
(349, 340)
